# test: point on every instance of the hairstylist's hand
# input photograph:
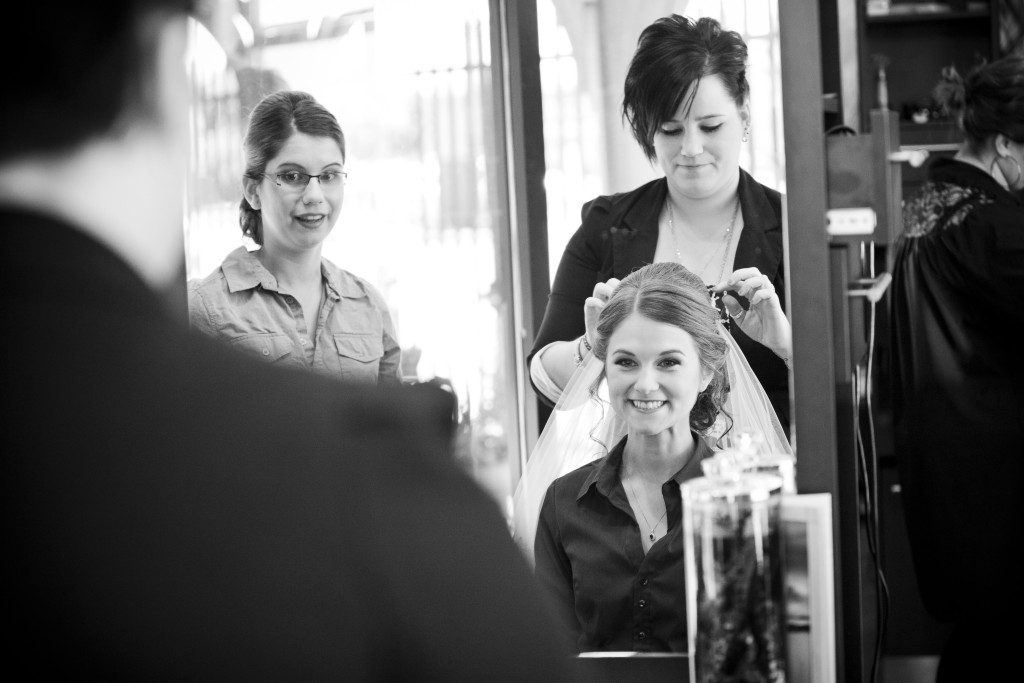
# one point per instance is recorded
(594, 304)
(763, 320)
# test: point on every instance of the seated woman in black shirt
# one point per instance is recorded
(609, 544)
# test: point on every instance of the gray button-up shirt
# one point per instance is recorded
(242, 303)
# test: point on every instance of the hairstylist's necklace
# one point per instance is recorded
(726, 241)
(643, 514)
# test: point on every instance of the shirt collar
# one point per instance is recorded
(605, 476)
(242, 271)
(341, 283)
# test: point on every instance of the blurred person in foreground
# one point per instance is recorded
(959, 375)
(174, 510)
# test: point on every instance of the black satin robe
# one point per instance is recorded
(957, 316)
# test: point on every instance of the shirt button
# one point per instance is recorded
(643, 581)
(642, 604)
(642, 635)
(290, 299)
(303, 341)
(266, 352)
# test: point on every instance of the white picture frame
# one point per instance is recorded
(810, 587)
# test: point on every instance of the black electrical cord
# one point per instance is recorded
(870, 504)
(841, 128)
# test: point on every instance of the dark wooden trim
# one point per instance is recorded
(808, 249)
(516, 66)
(810, 287)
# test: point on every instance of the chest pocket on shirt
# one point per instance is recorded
(360, 355)
(270, 347)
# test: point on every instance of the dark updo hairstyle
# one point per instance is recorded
(988, 102)
(669, 293)
(271, 124)
(671, 54)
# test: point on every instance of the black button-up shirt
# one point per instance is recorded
(591, 561)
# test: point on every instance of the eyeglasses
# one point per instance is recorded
(297, 180)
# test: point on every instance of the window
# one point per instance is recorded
(411, 84)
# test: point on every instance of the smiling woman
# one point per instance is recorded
(284, 301)
(608, 545)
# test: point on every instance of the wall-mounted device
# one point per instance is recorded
(864, 174)
(852, 221)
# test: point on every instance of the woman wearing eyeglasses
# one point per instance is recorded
(284, 301)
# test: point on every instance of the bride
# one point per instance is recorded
(662, 386)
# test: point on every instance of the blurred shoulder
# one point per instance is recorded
(431, 407)
(270, 400)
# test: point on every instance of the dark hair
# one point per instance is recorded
(272, 123)
(989, 101)
(669, 293)
(87, 76)
(671, 54)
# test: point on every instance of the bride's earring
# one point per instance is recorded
(746, 133)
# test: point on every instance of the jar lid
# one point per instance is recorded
(780, 459)
(754, 487)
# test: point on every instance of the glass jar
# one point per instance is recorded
(734, 577)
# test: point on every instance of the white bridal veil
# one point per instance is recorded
(583, 427)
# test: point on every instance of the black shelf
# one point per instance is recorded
(918, 46)
(932, 132)
(918, 17)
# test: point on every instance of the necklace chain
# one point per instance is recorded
(643, 514)
(726, 239)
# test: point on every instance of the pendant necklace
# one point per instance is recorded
(644, 515)
(726, 240)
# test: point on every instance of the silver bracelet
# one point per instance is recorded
(578, 354)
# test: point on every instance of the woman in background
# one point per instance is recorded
(958, 375)
(284, 301)
(686, 100)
